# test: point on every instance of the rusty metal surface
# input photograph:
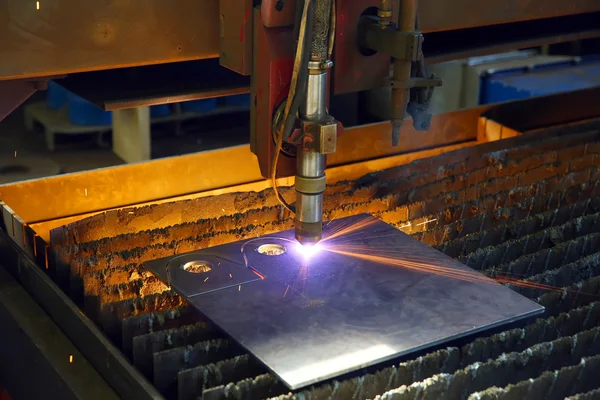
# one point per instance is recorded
(185, 175)
(235, 33)
(440, 15)
(335, 174)
(309, 318)
(353, 70)
(177, 176)
(96, 190)
(67, 36)
(278, 13)
(273, 63)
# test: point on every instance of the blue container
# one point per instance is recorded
(82, 112)
(56, 96)
(199, 105)
(161, 110)
(240, 100)
(517, 84)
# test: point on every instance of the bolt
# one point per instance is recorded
(279, 5)
(326, 64)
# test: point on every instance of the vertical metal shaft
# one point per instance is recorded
(310, 164)
(385, 12)
(314, 106)
(400, 96)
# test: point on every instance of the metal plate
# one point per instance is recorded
(368, 293)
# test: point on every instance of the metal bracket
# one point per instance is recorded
(416, 82)
(420, 97)
(389, 40)
(409, 85)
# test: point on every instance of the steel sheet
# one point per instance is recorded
(311, 318)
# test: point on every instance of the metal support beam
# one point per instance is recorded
(68, 36)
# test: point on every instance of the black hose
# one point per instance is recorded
(302, 75)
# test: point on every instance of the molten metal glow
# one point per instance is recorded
(308, 250)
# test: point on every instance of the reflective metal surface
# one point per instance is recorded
(320, 313)
(314, 106)
(310, 163)
(309, 208)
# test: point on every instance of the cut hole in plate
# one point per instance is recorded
(271, 249)
(197, 267)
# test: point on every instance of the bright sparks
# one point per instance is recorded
(348, 229)
(388, 257)
(37, 5)
(469, 276)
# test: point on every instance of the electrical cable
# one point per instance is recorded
(294, 97)
(298, 84)
(332, 27)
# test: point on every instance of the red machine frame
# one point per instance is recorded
(273, 63)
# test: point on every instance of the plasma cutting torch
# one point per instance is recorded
(303, 122)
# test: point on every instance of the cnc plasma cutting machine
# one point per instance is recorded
(183, 277)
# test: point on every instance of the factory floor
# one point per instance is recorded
(24, 155)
